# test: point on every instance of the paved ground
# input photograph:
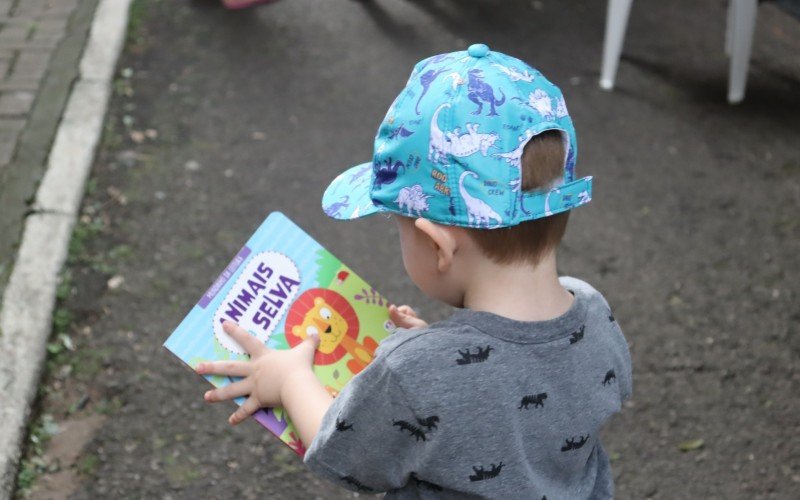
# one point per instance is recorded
(40, 43)
(220, 118)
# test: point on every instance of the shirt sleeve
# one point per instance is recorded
(626, 368)
(369, 439)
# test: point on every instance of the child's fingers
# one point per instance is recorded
(396, 316)
(405, 317)
(407, 311)
(230, 391)
(403, 310)
(230, 368)
(396, 313)
(308, 347)
(249, 407)
(251, 344)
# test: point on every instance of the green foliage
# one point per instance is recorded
(91, 186)
(120, 253)
(44, 428)
(135, 19)
(88, 362)
(41, 431)
(111, 139)
(88, 465)
(62, 318)
(179, 471)
(80, 252)
(108, 406)
(64, 286)
(328, 267)
(84, 231)
(28, 472)
(63, 342)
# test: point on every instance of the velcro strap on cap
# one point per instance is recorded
(556, 200)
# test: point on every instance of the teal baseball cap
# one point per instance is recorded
(449, 149)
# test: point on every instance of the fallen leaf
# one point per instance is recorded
(691, 445)
(117, 195)
(115, 282)
(192, 165)
(137, 136)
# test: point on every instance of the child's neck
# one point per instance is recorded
(520, 291)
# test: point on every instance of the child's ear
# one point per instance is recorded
(442, 239)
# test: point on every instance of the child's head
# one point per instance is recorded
(429, 249)
(476, 139)
(531, 240)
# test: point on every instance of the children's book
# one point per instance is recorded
(280, 286)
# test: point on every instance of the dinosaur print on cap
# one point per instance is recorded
(467, 111)
(480, 213)
(481, 92)
(412, 199)
(456, 144)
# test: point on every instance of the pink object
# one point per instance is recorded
(243, 4)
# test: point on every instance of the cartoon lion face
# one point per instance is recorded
(326, 322)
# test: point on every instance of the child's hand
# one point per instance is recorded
(405, 317)
(265, 375)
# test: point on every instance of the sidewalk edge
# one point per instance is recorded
(29, 298)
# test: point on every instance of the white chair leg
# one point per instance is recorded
(616, 24)
(729, 29)
(744, 23)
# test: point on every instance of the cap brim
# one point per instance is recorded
(348, 196)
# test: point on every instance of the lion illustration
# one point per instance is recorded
(330, 315)
(325, 321)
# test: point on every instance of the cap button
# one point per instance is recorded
(478, 50)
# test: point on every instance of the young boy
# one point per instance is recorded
(475, 161)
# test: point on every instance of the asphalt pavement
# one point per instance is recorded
(219, 118)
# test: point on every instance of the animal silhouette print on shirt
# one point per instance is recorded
(468, 357)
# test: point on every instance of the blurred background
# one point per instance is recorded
(218, 117)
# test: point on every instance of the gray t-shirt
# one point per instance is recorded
(480, 405)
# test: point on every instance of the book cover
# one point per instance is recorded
(281, 285)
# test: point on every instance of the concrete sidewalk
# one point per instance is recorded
(53, 95)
